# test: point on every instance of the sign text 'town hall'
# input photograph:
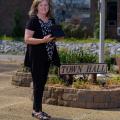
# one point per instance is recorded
(83, 68)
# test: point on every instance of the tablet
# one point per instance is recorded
(56, 31)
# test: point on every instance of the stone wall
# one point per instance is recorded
(82, 98)
(71, 97)
(21, 79)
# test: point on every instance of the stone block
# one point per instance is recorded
(51, 101)
(22, 79)
(69, 97)
(99, 99)
(70, 90)
(47, 94)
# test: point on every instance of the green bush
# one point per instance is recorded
(53, 70)
(55, 80)
(96, 26)
(4, 37)
(73, 30)
(81, 56)
(17, 28)
(96, 33)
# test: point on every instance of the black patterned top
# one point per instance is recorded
(32, 55)
(46, 29)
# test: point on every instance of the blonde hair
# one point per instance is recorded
(34, 8)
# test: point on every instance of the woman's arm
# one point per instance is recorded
(34, 41)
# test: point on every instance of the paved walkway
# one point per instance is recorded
(12, 58)
(15, 103)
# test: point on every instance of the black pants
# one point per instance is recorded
(39, 75)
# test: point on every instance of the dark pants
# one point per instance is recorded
(39, 75)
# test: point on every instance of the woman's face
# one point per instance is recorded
(43, 7)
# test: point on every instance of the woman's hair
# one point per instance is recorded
(34, 8)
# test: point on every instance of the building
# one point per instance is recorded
(67, 9)
(112, 17)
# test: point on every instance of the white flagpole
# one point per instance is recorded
(102, 31)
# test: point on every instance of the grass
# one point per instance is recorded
(9, 38)
(6, 38)
(66, 40)
(89, 40)
(111, 82)
(54, 80)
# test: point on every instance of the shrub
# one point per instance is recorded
(113, 81)
(81, 85)
(17, 28)
(54, 80)
(96, 26)
(4, 37)
(53, 70)
(73, 30)
(81, 56)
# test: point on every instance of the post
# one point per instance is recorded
(102, 31)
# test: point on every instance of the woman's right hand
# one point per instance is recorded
(47, 38)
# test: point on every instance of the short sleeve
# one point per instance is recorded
(31, 24)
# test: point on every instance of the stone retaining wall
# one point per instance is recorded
(64, 96)
(22, 79)
(82, 98)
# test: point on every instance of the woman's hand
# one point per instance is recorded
(48, 38)
(35, 41)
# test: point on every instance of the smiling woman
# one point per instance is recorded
(41, 51)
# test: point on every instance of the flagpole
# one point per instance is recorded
(102, 31)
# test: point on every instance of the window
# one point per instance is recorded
(112, 13)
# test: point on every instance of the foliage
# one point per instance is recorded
(4, 37)
(73, 30)
(113, 81)
(66, 40)
(17, 28)
(10, 38)
(81, 85)
(77, 40)
(96, 31)
(81, 56)
(54, 80)
(96, 27)
(88, 40)
(110, 61)
(53, 70)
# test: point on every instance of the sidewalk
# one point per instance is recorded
(12, 58)
(15, 103)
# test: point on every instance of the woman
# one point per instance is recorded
(41, 51)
